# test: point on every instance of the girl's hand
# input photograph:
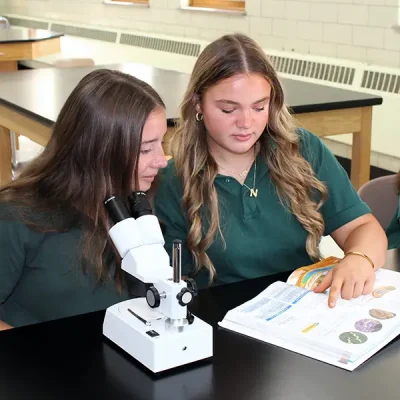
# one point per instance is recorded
(351, 277)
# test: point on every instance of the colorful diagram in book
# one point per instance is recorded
(382, 290)
(310, 276)
(381, 314)
(353, 338)
(368, 325)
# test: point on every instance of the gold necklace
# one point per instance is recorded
(253, 191)
(242, 174)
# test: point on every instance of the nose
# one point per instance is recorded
(244, 120)
(163, 161)
(160, 160)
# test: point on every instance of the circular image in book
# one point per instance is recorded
(368, 325)
(380, 291)
(381, 314)
(353, 338)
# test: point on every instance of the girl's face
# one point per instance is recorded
(152, 156)
(236, 112)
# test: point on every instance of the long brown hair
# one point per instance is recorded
(93, 153)
(292, 175)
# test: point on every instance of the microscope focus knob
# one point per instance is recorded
(153, 297)
(185, 297)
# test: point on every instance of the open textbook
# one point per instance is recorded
(290, 315)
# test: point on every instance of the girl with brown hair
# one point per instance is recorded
(56, 259)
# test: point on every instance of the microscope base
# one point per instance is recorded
(142, 333)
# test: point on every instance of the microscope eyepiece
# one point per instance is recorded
(140, 205)
(116, 209)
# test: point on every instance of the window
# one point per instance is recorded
(131, 1)
(236, 5)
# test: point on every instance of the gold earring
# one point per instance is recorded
(199, 117)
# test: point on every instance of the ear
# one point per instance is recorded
(197, 103)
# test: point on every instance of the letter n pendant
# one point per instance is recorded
(253, 192)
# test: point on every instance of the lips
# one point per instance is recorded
(242, 138)
(149, 178)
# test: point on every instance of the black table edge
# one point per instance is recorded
(55, 36)
(373, 101)
(27, 113)
(172, 122)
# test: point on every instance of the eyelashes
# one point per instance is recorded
(259, 109)
(147, 151)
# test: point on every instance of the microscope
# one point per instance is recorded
(157, 330)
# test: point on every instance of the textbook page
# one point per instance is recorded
(300, 320)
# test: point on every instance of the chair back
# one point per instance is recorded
(381, 195)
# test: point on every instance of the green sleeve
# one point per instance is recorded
(167, 206)
(343, 203)
(12, 256)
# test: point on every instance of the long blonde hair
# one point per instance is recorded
(295, 181)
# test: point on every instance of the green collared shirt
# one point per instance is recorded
(393, 230)
(262, 237)
(41, 277)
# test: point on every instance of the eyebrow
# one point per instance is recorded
(152, 140)
(237, 104)
(149, 141)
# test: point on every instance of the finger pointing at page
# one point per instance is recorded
(335, 284)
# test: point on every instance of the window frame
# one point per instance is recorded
(231, 5)
(143, 2)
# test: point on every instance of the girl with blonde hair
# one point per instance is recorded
(250, 194)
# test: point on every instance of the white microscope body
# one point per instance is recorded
(158, 330)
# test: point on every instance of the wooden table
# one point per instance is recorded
(70, 358)
(31, 100)
(25, 44)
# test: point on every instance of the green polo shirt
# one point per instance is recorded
(393, 230)
(41, 278)
(262, 237)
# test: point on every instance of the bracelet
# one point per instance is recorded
(357, 253)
